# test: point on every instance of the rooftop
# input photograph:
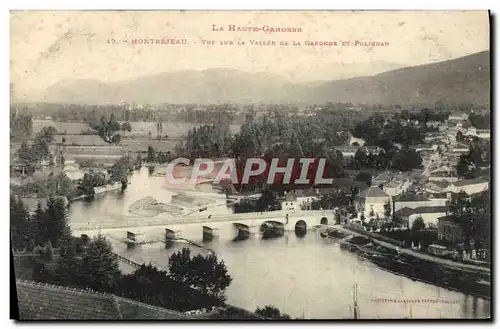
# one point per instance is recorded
(412, 198)
(431, 210)
(405, 212)
(373, 192)
(384, 177)
(40, 301)
(465, 182)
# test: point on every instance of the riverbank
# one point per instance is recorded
(440, 274)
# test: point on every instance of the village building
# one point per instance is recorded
(347, 151)
(443, 173)
(449, 229)
(484, 133)
(460, 148)
(299, 200)
(429, 214)
(471, 186)
(372, 200)
(457, 117)
(73, 171)
(413, 201)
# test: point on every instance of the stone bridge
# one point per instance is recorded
(206, 227)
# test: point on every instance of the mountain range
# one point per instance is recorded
(461, 80)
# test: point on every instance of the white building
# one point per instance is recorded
(371, 200)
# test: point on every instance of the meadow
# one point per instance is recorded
(139, 128)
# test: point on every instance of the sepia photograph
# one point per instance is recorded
(250, 165)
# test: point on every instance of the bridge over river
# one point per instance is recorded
(228, 226)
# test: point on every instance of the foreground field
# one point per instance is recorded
(139, 129)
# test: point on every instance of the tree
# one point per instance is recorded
(360, 158)
(364, 176)
(363, 217)
(387, 209)
(120, 171)
(179, 266)
(268, 201)
(418, 224)
(53, 225)
(206, 274)
(271, 312)
(151, 154)
(19, 225)
(100, 270)
(116, 139)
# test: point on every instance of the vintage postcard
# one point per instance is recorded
(258, 165)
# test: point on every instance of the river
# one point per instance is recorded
(306, 277)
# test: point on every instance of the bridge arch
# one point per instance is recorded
(324, 221)
(272, 229)
(242, 231)
(300, 228)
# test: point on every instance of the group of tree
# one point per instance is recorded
(32, 156)
(383, 131)
(473, 213)
(206, 142)
(469, 164)
(267, 201)
(480, 121)
(192, 282)
(395, 158)
(43, 226)
(108, 129)
(205, 274)
(120, 171)
(158, 157)
(21, 126)
(333, 200)
(271, 312)
(54, 185)
(126, 127)
(90, 181)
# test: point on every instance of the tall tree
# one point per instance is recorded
(54, 225)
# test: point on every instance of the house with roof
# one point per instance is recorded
(413, 201)
(372, 200)
(458, 116)
(460, 148)
(429, 214)
(391, 183)
(299, 200)
(483, 133)
(383, 178)
(471, 186)
(73, 171)
(347, 151)
(398, 185)
(372, 149)
(443, 173)
(449, 229)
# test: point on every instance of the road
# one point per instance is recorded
(420, 255)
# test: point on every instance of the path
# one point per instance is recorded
(422, 255)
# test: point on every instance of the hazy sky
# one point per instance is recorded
(52, 45)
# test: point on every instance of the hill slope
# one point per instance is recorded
(465, 79)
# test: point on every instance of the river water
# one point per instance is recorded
(306, 277)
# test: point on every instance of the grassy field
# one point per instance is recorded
(136, 145)
(72, 128)
(139, 129)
